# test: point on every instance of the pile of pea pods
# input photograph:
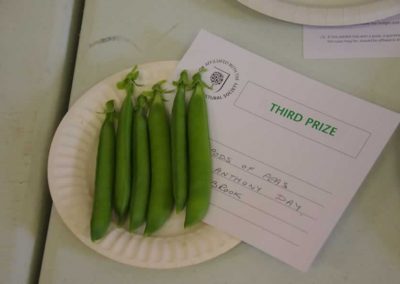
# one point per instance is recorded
(149, 162)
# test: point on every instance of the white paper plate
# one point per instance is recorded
(326, 12)
(71, 169)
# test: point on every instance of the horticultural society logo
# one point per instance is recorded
(223, 77)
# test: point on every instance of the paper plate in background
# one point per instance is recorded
(326, 12)
(71, 172)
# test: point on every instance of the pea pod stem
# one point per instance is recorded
(178, 142)
(124, 147)
(200, 164)
(104, 180)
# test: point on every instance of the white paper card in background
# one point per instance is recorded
(289, 153)
(377, 39)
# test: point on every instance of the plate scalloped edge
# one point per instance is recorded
(325, 16)
(71, 178)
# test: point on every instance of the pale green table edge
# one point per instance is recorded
(37, 50)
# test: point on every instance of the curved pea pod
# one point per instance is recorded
(123, 169)
(179, 143)
(141, 166)
(104, 181)
(161, 196)
(200, 164)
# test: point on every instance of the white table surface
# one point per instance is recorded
(36, 59)
(364, 246)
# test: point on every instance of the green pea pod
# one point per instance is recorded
(104, 182)
(141, 166)
(200, 165)
(123, 170)
(178, 143)
(161, 196)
